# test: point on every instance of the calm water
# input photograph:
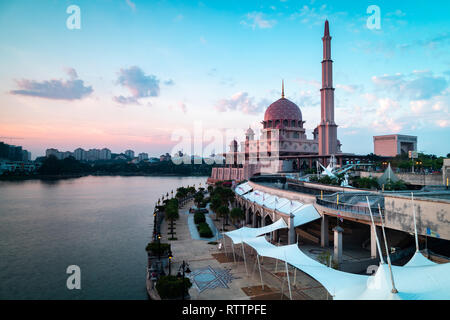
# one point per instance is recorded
(101, 224)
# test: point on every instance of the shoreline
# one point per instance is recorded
(75, 176)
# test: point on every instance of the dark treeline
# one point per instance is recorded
(53, 166)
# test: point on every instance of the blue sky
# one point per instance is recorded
(138, 70)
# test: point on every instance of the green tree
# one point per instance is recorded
(216, 203)
(171, 212)
(198, 198)
(237, 214)
(172, 287)
(365, 183)
(223, 212)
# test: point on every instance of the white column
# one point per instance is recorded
(324, 238)
(373, 242)
(291, 229)
(338, 244)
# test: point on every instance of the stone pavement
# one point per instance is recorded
(230, 280)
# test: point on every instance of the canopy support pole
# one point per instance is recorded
(276, 260)
(375, 230)
(254, 268)
(232, 247)
(260, 273)
(295, 276)
(287, 273)
(394, 290)
(415, 225)
(245, 261)
(224, 244)
(243, 252)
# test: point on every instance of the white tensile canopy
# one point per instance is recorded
(302, 215)
(237, 236)
(243, 188)
(419, 279)
(305, 214)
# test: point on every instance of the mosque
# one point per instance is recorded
(283, 145)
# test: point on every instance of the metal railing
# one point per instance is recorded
(349, 207)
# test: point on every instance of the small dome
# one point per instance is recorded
(249, 132)
(283, 109)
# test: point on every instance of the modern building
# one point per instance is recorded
(80, 154)
(105, 154)
(54, 152)
(13, 153)
(142, 156)
(93, 154)
(394, 144)
(129, 153)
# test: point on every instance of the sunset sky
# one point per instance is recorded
(137, 71)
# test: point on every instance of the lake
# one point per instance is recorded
(101, 224)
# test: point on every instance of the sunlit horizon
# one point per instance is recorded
(135, 71)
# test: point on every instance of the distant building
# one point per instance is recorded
(26, 156)
(129, 153)
(13, 166)
(105, 154)
(53, 152)
(142, 156)
(93, 155)
(60, 155)
(394, 144)
(80, 154)
(154, 160)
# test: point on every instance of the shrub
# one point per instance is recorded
(152, 248)
(365, 183)
(204, 230)
(325, 257)
(199, 218)
(203, 204)
(171, 287)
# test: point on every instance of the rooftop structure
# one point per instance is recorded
(394, 144)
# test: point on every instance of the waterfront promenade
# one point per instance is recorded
(218, 277)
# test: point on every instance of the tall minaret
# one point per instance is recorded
(328, 143)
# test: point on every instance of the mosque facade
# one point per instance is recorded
(283, 145)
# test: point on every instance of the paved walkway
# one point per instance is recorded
(230, 280)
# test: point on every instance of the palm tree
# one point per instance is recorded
(198, 198)
(223, 212)
(216, 203)
(236, 215)
(171, 212)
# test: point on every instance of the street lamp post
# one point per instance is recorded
(159, 246)
(185, 269)
(170, 259)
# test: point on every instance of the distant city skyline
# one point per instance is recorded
(136, 71)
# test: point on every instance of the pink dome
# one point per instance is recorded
(283, 109)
